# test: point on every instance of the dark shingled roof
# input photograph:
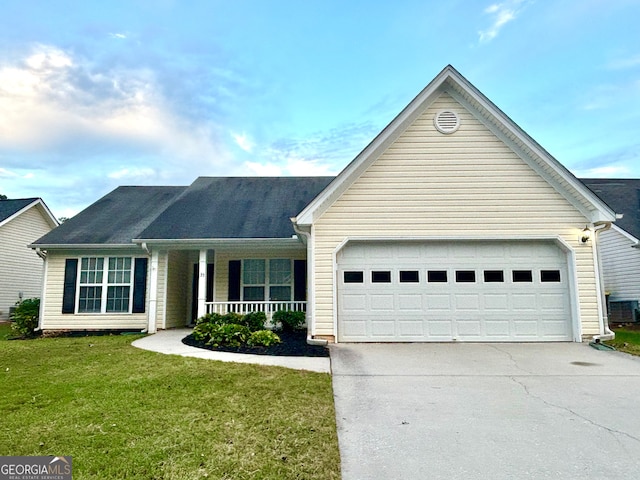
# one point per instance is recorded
(623, 196)
(236, 207)
(13, 206)
(116, 218)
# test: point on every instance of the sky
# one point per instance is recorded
(97, 94)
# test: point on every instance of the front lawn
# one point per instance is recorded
(627, 340)
(121, 412)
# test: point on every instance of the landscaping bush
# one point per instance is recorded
(232, 335)
(264, 338)
(204, 327)
(215, 318)
(25, 317)
(288, 320)
(254, 321)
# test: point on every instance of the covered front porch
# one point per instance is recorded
(257, 276)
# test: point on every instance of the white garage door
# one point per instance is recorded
(448, 291)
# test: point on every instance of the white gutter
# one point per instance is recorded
(310, 283)
(606, 334)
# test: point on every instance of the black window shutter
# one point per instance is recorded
(300, 280)
(139, 285)
(194, 291)
(209, 282)
(69, 289)
(234, 281)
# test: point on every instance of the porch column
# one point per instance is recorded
(153, 292)
(202, 283)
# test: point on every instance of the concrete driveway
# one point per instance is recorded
(486, 411)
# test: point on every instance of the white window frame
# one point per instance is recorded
(105, 284)
(267, 280)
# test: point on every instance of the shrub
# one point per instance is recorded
(215, 318)
(203, 329)
(254, 321)
(25, 317)
(266, 338)
(288, 320)
(232, 335)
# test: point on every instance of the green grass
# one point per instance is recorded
(5, 330)
(626, 340)
(121, 412)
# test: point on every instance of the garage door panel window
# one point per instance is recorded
(465, 276)
(409, 276)
(353, 277)
(437, 276)
(522, 276)
(550, 276)
(493, 276)
(381, 276)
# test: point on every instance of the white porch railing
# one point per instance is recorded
(247, 307)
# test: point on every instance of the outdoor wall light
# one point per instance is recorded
(585, 236)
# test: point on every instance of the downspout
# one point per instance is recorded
(606, 334)
(310, 281)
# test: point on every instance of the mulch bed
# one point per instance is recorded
(294, 344)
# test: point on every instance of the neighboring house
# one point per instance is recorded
(620, 246)
(21, 222)
(451, 225)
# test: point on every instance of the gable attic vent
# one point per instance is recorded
(446, 121)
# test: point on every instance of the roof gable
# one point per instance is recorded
(623, 196)
(452, 82)
(235, 207)
(10, 209)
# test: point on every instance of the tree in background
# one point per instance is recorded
(3, 197)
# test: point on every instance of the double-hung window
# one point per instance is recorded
(261, 277)
(105, 285)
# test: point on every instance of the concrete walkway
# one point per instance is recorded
(486, 411)
(170, 342)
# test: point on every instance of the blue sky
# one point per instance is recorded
(97, 94)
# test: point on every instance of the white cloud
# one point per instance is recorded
(53, 103)
(607, 171)
(243, 141)
(264, 169)
(501, 13)
(120, 36)
(133, 172)
(4, 173)
(298, 167)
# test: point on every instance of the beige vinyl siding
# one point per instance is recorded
(620, 266)
(468, 184)
(21, 269)
(222, 258)
(179, 293)
(54, 319)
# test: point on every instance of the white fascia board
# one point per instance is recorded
(220, 242)
(53, 221)
(82, 246)
(372, 151)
